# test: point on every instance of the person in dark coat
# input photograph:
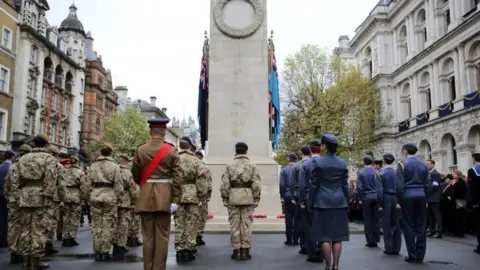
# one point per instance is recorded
(329, 199)
(287, 200)
(9, 157)
(447, 206)
(413, 181)
(434, 215)
(474, 187)
(459, 198)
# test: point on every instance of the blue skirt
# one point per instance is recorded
(330, 225)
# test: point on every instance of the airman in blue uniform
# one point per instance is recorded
(370, 188)
(474, 187)
(392, 234)
(413, 181)
(287, 200)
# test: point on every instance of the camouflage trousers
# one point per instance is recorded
(35, 225)
(52, 221)
(186, 219)
(124, 220)
(134, 226)
(241, 219)
(14, 228)
(104, 225)
(71, 214)
(202, 217)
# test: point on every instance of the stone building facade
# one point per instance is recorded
(424, 55)
(8, 49)
(100, 98)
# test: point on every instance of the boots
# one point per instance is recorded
(68, 243)
(200, 241)
(27, 263)
(98, 257)
(189, 255)
(181, 256)
(38, 264)
(49, 250)
(74, 242)
(137, 242)
(15, 258)
(236, 255)
(59, 237)
(130, 241)
(119, 252)
(245, 254)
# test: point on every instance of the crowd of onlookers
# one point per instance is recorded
(457, 221)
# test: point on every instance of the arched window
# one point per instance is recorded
(53, 133)
(97, 126)
(64, 135)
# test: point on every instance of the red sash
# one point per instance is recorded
(154, 162)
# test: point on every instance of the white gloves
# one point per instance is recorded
(173, 208)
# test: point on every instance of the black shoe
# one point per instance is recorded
(390, 253)
(49, 250)
(477, 250)
(295, 243)
(189, 255)
(137, 242)
(59, 237)
(98, 257)
(200, 241)
(236, 255)
(302, 251)
(15, 258)
(411, 260)
(288, 243)
(180, 256)
(314, 260)
(373, 245)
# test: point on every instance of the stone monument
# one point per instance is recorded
(238, 97)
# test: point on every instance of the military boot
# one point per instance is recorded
(49, 250)
(189, 255)
(181, 256)
(105, 257)
(27, 263)
(14, 258)
(67, 243)
(236, 255)
(74, 242)
(200, 241)
(245, 254)
(59, 237)
(130, 242)
(37, 264)
(119, 253)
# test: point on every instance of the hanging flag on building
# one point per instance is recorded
(273, 89)
(203, 95)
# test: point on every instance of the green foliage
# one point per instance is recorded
(322, 94)
(123, 130)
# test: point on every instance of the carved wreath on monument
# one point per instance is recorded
(259, 15)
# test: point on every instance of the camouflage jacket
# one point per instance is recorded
(12, 191)
(37, 178)
(130, 188)
(241, 182)
(209, 180)
(104, 180)
(73, 180)
(194, 182)
(61, 190)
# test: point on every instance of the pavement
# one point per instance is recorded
(268, 253)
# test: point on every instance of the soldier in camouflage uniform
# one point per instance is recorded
(74, 181)
(203, 206)
(133, 239)
(130, 194)
(12, 195)
(194, 191)
(240, 191)
(37, 176)
(106, 190)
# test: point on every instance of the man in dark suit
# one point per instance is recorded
(474, 187)
(287, 200)
(413, 181)
(434, 215)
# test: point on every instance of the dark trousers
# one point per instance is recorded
(435, 217)
(477, 224)
(371, 221)
(311, 246)
(392, 233)
(3, 223)
(460, 216)
(301, 226)
(86, 211)
(291, 229)
(414, 217)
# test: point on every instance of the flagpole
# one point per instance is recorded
(271, 50)
(206, 50)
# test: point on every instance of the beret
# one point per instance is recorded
(389, 156)
(107, 145)
(329, 138)
(187, 139)
(199, 153)
(42, 137)
(124, 156)
(315, 143)
(410, 146)
(9, 154)
(292, 156)
(241, 145)
(158, 122)
(25, 148)
(53, 149)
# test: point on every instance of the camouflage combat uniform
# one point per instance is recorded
(37, 176)
(74, 181)
(134, 226)
(203, 209)
(240, 190)
(12, 194)
(106, 189)
(130, 194)
(194, 190)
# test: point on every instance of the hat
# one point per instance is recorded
(389, 156)
(187, 139)
(241, 145)
(328, 138)
(53, 149)
(292, 157)
(74, 159)
(41, 137)
(25, 148)
(411, 147)
(9, 154)
(315, 143)
(199, 153)
(158, 122)
(107, 145)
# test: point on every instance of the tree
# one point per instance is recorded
(123, 130)
(322, 94)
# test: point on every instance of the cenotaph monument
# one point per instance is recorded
(238, 98)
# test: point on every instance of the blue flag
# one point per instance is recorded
(274, 91)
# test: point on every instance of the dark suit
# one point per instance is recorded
(474, 187)
(370, 187)
(434, 194)
(413, 181)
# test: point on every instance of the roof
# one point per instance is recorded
(72, 23)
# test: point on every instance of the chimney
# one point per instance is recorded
(153, 101)
(164, 110)
(343, 41)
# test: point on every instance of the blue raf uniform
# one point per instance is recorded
(392, 234)
(286, 196)
(474, 189)
(369, 187)
(413, 181)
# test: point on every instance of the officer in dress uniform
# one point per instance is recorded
(392, 235)
(413, 181)
(160, 193)
(370, 188)
(288, 202)
(474, 187)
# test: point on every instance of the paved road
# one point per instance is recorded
(270, 253)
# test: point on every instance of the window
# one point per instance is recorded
(31, 91)
(64, 135)
(53, 38)
(429, 100)
(453, 92)
(82, 85)
(31, 124)
(54, 101)
(44, 91)
(97, 126)
(425, 37)
(3, 125)
(4, 79)
(7, 38)
(80, 109)
(99, 102)
(34, 21)
(53, 131)
(66, 106)
(33, 54)
(409, 108)
(447, 17)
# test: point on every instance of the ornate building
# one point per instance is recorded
(189, 129)
(424, 55)
(50, 77)
(8, 49)
(100, 98)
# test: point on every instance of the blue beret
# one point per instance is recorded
(410, 146)
(9, 154)
(329, 138)
(292, 156)
(389, 156)
(315, 143)
(241, 145)
(158, 122)
(187, 139)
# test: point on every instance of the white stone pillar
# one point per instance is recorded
(395, 48)
(456, 72)
(411, 36)
(436, 84)
(462, 69)
(433, 89)
(464, 156)
(415, 96)
(397, 104)
(453, 14)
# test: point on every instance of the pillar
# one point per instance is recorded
(453, 14)
(462, 69)
(433, 89)
(410, 36)
(398, 105)
(456, 72)
(415, 95)
(439, 156)
(464, 156)
(395, 48)
(432, 26)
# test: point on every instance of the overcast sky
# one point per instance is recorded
(154, 47)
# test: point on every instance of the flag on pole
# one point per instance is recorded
(203, 99)
(274, 91)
